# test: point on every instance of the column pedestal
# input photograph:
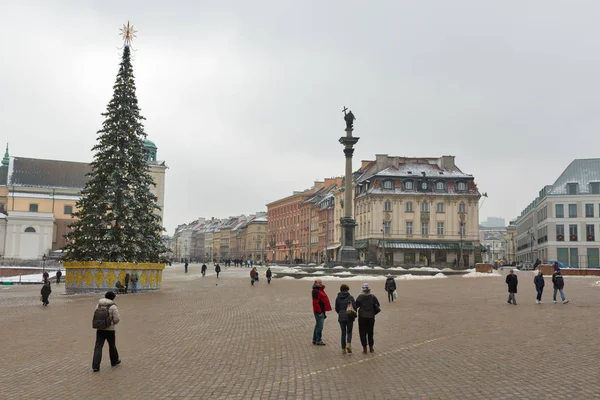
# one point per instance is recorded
(348, 254)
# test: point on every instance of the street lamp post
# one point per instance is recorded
(532, 236)
(461, 232)
(44, 263)
(383, 243)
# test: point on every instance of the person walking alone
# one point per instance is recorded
(253, 276)
(107, 333)
(185, 266)
(217, 270)
(58, 275)
(344, 304)
(203, 269)
(45, 292)
(390, 287)
(368, 306)
(539, 283)
(559, 284)
(321, 305)
(134, 281)
(269, 274)
(512, 282)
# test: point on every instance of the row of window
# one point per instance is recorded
(573, 188)
(425, 207)
(33, 207)
(410, 185)
(387, 228)
(573, 236)
(572, 208)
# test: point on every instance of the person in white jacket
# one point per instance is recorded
(107, 334)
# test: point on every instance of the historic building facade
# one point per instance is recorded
(416, 211)
(38, 198)
(561, 223)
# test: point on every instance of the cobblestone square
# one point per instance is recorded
(453, 338)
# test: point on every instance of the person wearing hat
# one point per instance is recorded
(368, 306)
(107, 334)
(390, 287)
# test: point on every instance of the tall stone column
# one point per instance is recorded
(348, 253)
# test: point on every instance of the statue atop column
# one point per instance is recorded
(349, 118)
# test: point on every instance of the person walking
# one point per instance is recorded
(203, 269)
(269, 274)
(185, 266)
(217, 270)
(134, 281)
(45, 292)
(321, 305)
(58, 275)
(512, 282)
(345, 305)
(253, 274)
(107, 333)
(390, 287)
(127, 278)
(539, 283)
(368, 306)
(559, 284)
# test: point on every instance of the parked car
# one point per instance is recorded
(560, 265)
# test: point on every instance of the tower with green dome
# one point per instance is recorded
(150, 149)
(6, 159)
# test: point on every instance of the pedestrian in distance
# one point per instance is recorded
(58, 275)
(390, 287)
(185, 266)
(203, 269)
(269, 274)
(127, 278)
(45, 275)
(253, 276)
(134, 282)
(45, 292)
(321, 305)
(512, 282)
(368, 306)
(217, 270)
(106, 316)
(539, 283)
(559, 284)
(345, 306)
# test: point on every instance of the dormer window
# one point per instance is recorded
(461, 186)
(408, 185)
(389, 185)
(439, 185)
(595, 187)
(572, 188)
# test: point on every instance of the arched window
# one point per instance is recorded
(30, 230)
(461, 186)
(388, 206)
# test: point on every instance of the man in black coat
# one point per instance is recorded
(512, 282)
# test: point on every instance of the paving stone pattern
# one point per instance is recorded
(452, 338)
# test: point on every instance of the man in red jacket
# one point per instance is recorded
(320, 306)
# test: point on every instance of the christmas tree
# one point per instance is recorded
(116, 217)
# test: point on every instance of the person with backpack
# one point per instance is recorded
(106, 316)
(203, 269)
(539, 283)
(58, 275)
(217, 270)
(390, 287)
(559, 284)
(345, 306)
(45, 292)
(512, 281)
(368, 306)
(269, 274)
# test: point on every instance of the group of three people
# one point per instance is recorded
(365, 306)
(557, 280)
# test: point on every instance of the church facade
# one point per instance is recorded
(38, 197)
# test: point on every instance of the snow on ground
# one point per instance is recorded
(338, 267)
(287, 277)
(22, 267)
(361, 267)
(317, 273)
(474, 274)
(597, 283)
(410, 277)
(397, 269)
(290, 271)
(30, 278)
(377, 267)
(425, 269)
(447, 269)
(325, 277)
(343, 273)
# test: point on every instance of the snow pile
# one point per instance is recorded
(377, 267)
(343, 273)
(410, 277)
(597, 283)
(317, 273)
(474, 274)
(29, 278)
(397, 269)
(338, 267)
(290, 271)
(424, 269)
(361, 267)
(326, 277)
(287, 277)
(447, 269)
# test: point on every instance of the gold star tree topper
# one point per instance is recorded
(128, 33)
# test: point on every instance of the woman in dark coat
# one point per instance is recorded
(45, 292)
(217, 270)
(368, 306)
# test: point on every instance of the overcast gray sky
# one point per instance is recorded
(244, 98)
